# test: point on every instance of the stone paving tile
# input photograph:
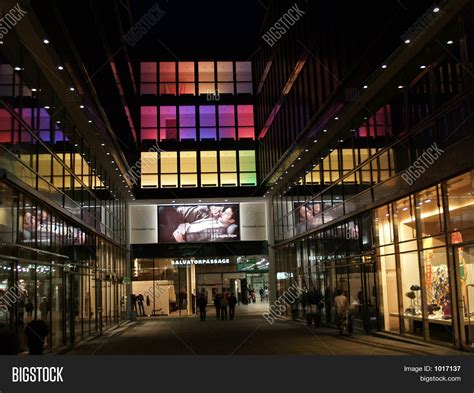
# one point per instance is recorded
(248, 334)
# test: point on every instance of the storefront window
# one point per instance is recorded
(461, 212)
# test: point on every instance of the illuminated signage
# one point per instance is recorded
(208, 261)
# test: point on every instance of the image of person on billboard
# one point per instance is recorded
(198, 223)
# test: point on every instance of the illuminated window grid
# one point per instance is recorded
(247, 168)
(225, 77)
(206, 77)
(187, 84)
(243, 73)
(149, 169)
(209, 169)
(188, 169)
(169, 169)
(167, 78)
(228, 168)
(148, 78)
(148, 123)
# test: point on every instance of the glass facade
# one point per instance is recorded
(63, 253)
(375, 199)
(188, 78)
(169, 287)
(207, 139)
(404, 266)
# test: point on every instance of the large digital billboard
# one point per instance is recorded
(198, 223)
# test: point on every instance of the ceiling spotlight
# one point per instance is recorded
(17, 69)
(436, 10)
(400, 86)
(89, 121)
(407, 41)
(60, 68)
(72, 88)
(306, 150)
(46, 107)
(58, 121)
(200, 200)
(46, 41)
(34, 89)
(325, 130)
(315, 141)
(113, 162)
(366, 87)
(299, 158)
(108, 153)
(102, 144)
(292, 165)
(405, 208)
(336, 118)
(450, 42)
(81, 106)
(341, 140)
(422, 67)
(384, 66)
(75, 144)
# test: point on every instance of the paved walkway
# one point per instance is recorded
(247, 334)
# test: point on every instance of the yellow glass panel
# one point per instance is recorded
(149, 181)
(347, 159)
(169, 181)
(44, 164)
(209, 179)
(67, 182)
(169, 162)
(209, 161)
(149, 162)
(58, 181)
(188, 162)
(188, 180)
(363, 154)
(77, 164)
(228, 179)
(228, 161)
(247, 160)
(333, 157)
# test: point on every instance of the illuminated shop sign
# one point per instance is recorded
(221, 261)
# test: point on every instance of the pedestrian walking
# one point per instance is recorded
(343, 309)
(232, 303)
(224, 304)
(202, 304)
(141, 308)
(217, 305)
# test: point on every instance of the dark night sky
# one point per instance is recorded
(206, 28)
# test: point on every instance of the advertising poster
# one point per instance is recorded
(198, 223)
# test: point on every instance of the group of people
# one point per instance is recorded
(138, 300)
(222, 302)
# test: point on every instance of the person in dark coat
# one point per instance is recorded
(202, 304)
(36, 332)
(133, 301)
(224, 303)
(9, 344)
(140, 300)
(232, 303)
(217, 305)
